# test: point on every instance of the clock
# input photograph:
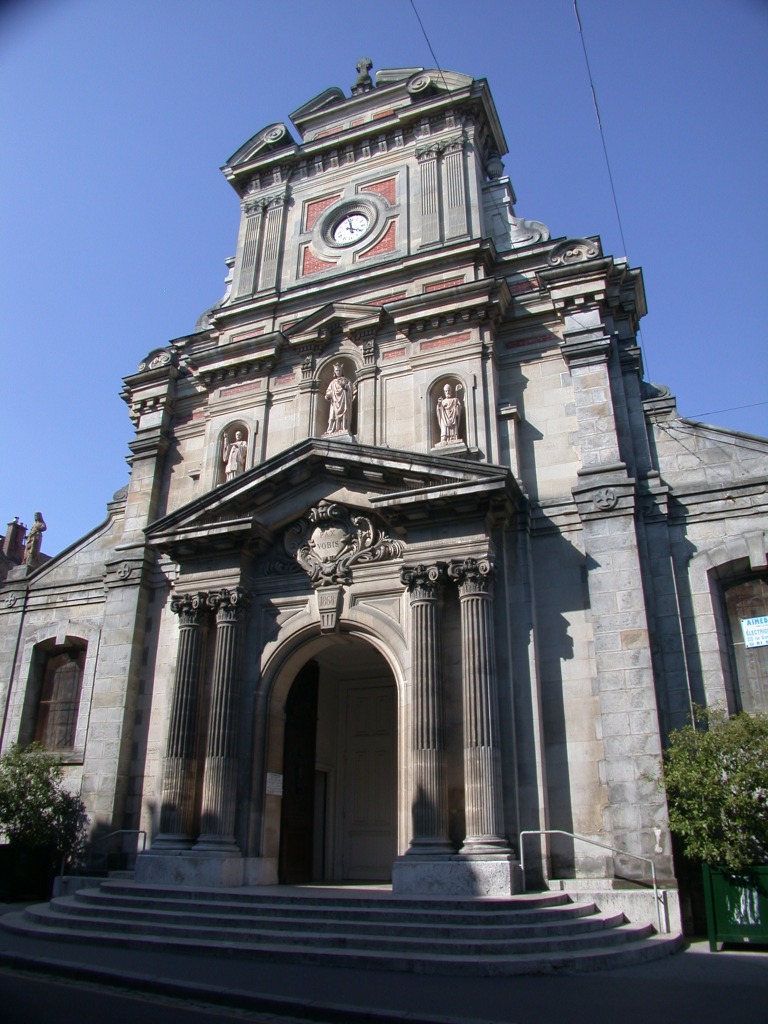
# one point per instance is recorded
(349, 228)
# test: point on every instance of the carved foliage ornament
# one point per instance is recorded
(331, 539)
(422, 581)
(473, 575)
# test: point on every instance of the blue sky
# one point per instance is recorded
(115, 220)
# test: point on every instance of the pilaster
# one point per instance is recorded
(635, 814)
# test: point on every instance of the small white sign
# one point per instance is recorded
(274, 784)
(755, 631)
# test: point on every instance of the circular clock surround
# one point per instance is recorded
(350, 228)
(347, 224)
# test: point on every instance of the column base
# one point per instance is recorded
(190, 868)
(172, 842)
(457, 875)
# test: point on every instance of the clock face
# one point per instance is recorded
(351, 227)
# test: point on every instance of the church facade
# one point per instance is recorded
(411, 559)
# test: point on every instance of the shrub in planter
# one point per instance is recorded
(41, 821)
(715, 773)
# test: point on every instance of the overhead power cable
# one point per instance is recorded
(608, 166)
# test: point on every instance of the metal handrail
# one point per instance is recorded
(125, 832)
(118, 832)
(613, 849)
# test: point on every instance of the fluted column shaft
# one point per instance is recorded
(177, 806)
(430, 796)
(482, 751)
(217, 819)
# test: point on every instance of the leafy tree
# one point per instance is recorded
(35, 809)
(715, 773)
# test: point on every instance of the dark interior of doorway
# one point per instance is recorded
(297, 827)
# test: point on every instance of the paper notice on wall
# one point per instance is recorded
(755, 631)
(274, 784)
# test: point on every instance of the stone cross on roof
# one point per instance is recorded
(364, 82)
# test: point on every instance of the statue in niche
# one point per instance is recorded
(34, 541)
(449, 415)
(339, 394)
(233, 455)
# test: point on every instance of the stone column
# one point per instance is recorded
(482, 753)
(180, 768)
(430, 792)
(217, 819)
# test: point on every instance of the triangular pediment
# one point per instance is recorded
(349, 316)
(395, 485)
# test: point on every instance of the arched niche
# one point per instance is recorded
(336, 412)
(447, 411)
(233, 453)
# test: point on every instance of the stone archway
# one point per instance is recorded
(339, 803)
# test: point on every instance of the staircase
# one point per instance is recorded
(362, 928)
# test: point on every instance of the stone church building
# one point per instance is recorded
(411, 558)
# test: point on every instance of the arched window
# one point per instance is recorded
(61, 674)
(746, 602)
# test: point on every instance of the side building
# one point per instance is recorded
(411, 558)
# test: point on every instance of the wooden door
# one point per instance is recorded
(368, 788)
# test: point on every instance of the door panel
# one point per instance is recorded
(369, 839)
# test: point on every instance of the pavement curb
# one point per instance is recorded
(307, 1009)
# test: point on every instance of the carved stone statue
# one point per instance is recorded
(234, 455)
(339, 394)
(449, 415)
(364, 82)
(34, 541)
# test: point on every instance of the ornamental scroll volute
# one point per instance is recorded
(330, 539)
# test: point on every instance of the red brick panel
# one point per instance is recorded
(313, 210)
(384, 299)
(436, 286)
(311, 264)
(237, 389)
(385, 244)
(442, 342)
(386, 188)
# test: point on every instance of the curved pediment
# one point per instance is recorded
(274, 137)
(399, 486)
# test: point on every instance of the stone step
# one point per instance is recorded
(386, 912)
(471, 937)
(524, 962)
(587, 920)
(327, 896)
(611, 929)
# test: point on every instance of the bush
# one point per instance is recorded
(715, 773)
(35, 809)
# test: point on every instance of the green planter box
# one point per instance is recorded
(737, 905)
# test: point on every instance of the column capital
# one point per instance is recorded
(228, 604)
(189, 607)
(474, 576)
(422, 581)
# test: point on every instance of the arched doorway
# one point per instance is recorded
(339, 805)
